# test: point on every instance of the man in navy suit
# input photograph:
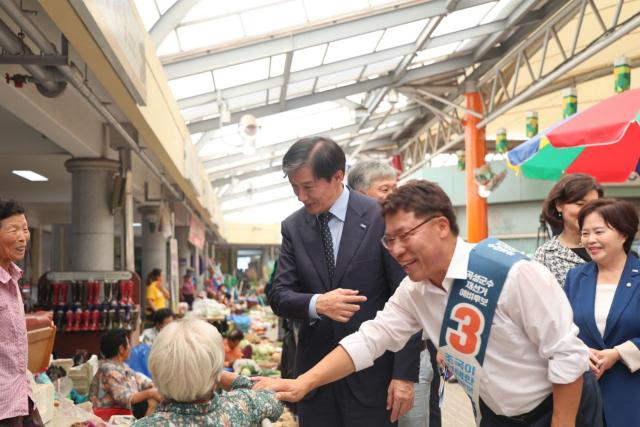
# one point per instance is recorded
(333, 274)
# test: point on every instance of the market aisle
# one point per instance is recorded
(456, 408)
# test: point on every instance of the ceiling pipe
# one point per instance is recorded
(45, 76)
(75, 77)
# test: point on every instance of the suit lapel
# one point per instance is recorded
(354, 230)
(588, 300)
(623, 293)
(313, 243)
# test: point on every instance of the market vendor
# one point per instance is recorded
(116, 385)
(500, 320)
(186, 364)
(232, 350)
(17, 407)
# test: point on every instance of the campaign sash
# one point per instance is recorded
(467, 319)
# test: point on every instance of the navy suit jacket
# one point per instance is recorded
(620, 388)
(363, 264)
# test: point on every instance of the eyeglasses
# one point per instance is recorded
(388, 242)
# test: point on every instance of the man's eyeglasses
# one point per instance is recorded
(388, 242)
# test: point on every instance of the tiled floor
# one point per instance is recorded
(456, 408)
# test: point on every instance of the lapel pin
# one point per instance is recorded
(363, 226)
(628, 285)
(635, 271)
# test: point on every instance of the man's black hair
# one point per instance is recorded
(235, 335)
(321, 154)
(111, 341)
(161, 315)
(9, 208)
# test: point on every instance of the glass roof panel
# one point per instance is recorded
(200, 111)
(469, 44)
(379, 2)
(435, 53)
(148, 12)
(300, 88)
(169, 45)
(277, 65)
(337, 78)
(308, 58)
(352, 46)
(500, 11)
(382, 67)
(210, 32)
(401, 34)
(164, 5)
(246, 101)
(274, 94)
(210, 9)
(319, 9)
(463, 19)
(274, 17)
(197, 84)
(242, 73)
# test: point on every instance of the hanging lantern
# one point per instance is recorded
(569, 102)
(532, 124)
(621, 74)
(501, 141)
(461, 160)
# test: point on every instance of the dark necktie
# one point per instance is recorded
(327, 242)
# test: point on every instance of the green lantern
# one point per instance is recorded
(621, 74)
(501, 141)
(461, 160)
(532, 124)
(569, 102)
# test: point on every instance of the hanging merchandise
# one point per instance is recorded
(501, 141)
(461, 160)
(569, 102)
(621, 74)
(532, 124)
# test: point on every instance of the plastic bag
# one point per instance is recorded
(139, 359)
(75, 414)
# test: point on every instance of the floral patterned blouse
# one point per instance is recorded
(241, 407)
(114, 385)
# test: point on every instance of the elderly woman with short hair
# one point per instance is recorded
(186, 364)
(373, 179)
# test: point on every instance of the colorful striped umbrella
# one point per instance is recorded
(603, 141)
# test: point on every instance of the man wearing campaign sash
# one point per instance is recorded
(501, 322)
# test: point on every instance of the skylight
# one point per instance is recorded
(320, 9)
(197, 84)
(463, 19)
(401, 34)
(352, 46)
(242, 73)
(210, 32)
(274, 17)
(308, 58)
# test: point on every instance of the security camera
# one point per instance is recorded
(248, 127)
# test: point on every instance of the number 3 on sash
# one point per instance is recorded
(467, 337)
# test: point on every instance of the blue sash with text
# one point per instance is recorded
(467, 319)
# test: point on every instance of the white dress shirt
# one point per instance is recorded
(336, 225)
(533, 342)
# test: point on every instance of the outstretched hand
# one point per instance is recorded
(287, 390)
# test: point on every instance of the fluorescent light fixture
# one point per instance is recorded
(31, 176)
(137, 224)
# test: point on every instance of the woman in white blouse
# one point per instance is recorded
(606, 305)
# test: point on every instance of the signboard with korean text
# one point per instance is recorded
(196, 233)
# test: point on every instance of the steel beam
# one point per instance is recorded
(327, 34)
(224, 181)
(170, 20)
(426, 71)
(285, 145)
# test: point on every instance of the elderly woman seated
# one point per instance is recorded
(161, 318)
(186, 364)
(115, 385)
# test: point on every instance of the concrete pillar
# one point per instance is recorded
(91, 219)
(184, 249)
(154, 245)
(61, 247)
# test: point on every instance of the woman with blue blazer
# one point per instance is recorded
(606, 305)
